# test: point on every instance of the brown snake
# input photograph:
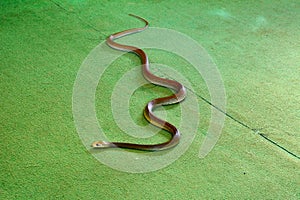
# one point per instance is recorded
(175, 98)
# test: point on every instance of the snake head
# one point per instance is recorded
(100, 144)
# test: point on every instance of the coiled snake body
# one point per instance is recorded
(179, 95)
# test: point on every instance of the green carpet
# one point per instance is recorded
(255, 47)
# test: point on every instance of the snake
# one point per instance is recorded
(178, 96)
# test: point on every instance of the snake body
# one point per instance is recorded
(177, 97)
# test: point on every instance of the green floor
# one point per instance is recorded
(256, 48)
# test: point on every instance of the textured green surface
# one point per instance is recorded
(256, 47)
